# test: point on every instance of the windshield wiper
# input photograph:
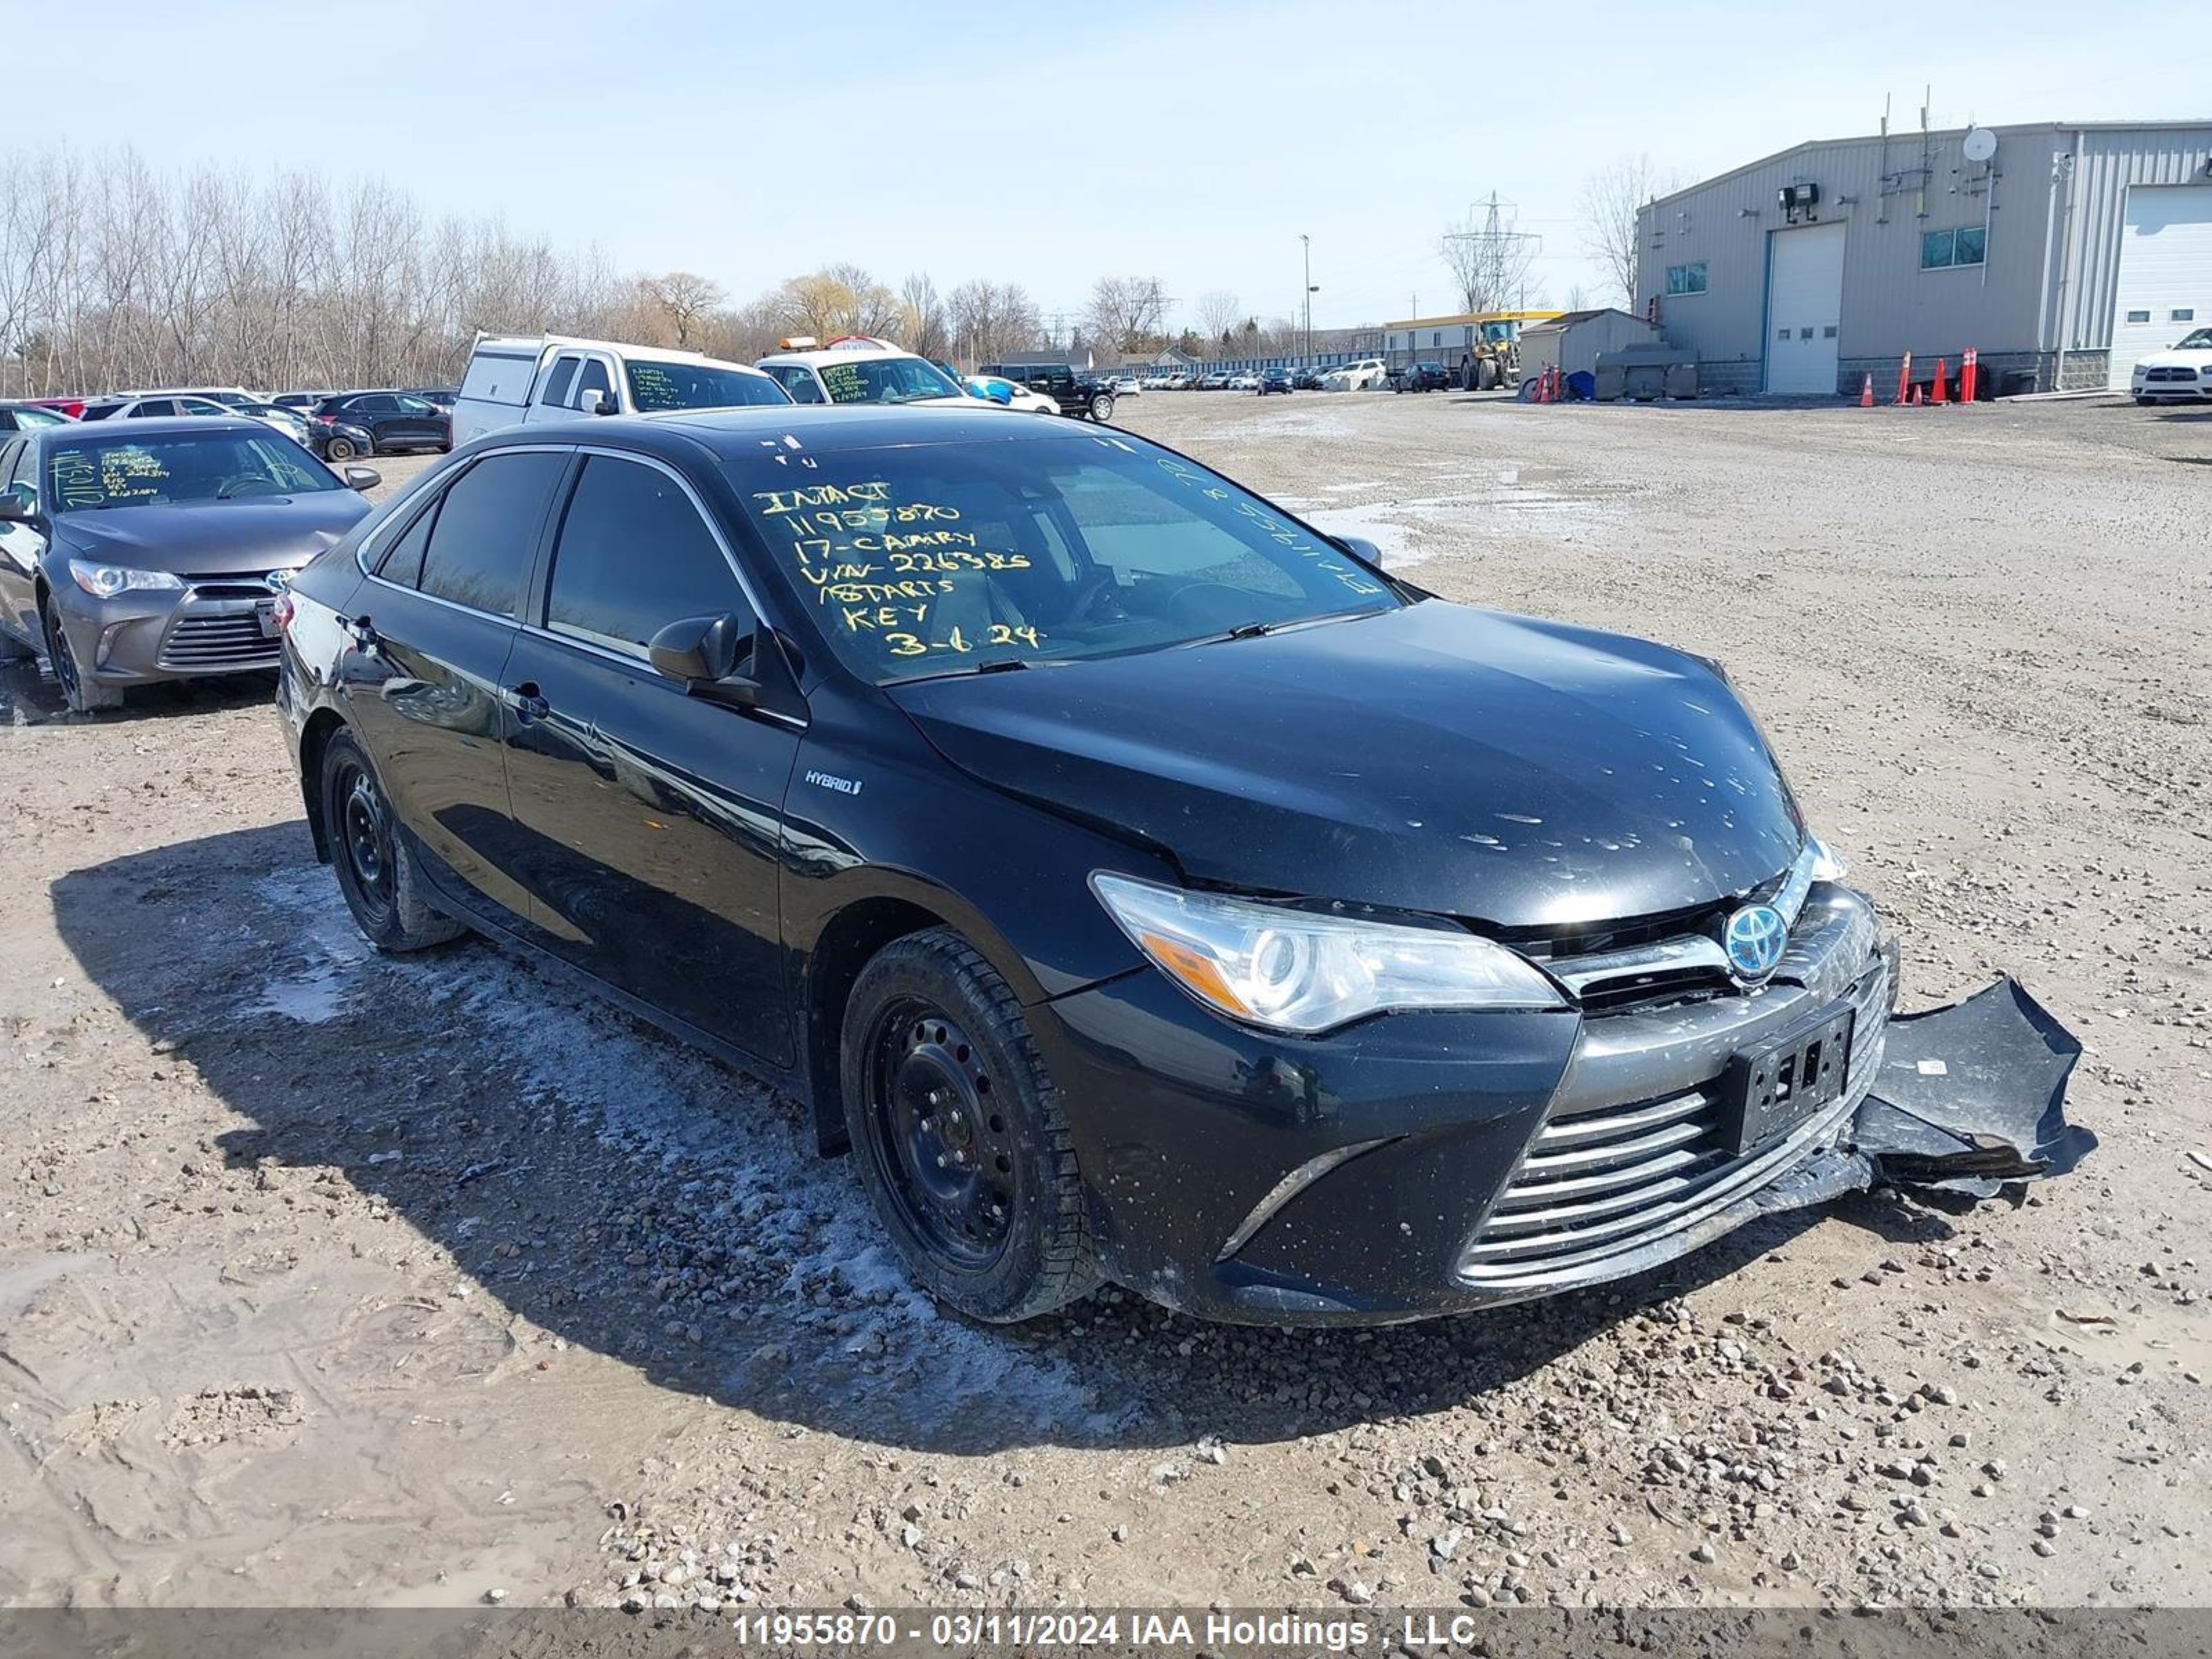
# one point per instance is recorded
(1251, 630)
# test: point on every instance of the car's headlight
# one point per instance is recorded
(1297, 970)
(104, 582)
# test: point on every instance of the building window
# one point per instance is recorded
(2138, 316)
(1941, 249)
(1436, 336)
(1686, 279)
(2183, 314)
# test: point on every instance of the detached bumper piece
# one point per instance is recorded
(1972, 1097)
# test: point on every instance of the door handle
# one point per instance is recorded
(365, 634)
(526, 701)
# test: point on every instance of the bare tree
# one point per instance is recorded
(1218, 313)
(924, 316)
(685, 298)
(1126, 314)
(1611, 199)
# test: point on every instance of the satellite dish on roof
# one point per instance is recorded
(1981, 144)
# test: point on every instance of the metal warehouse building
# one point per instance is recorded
(2060, 253)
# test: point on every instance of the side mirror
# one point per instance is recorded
(704, 652)
(18, 505)
(598, 403)
(362, 477)
(1363, 548)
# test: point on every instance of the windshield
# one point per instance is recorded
(936, 558)
(697, 386)
(2195, 340)
(883, 379)
(103, 472)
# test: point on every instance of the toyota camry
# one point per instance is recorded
(1141, 885)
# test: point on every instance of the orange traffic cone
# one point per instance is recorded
(1916, 396)
(1866, 393)
(1904, 381)
(1969, 372)
(1941, 370)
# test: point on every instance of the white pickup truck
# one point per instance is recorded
(514, 379)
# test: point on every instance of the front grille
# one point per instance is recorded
(2170, 374)
(1597, 1184)
(218, 643)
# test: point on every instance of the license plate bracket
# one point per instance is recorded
(1771, 1089)
(266, 613)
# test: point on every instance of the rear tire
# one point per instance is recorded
(961, 1136)
(339, 449)
(377, 873)
(83, 695)
(1101, 407)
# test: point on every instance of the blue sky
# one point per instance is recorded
(1051, 144)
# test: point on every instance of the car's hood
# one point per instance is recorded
(252, 534)
(1434, 758)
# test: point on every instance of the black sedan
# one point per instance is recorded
(392, 419)
(1275, 380)
(155, 549)
(1142, 884)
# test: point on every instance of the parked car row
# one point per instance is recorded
(1359, 376)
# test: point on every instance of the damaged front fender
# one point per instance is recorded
(1972, 1095)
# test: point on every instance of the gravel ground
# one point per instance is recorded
(330, 1278)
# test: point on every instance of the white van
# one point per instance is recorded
(515, 379)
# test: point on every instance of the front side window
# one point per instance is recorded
(931, 559)
(96, 474)
(696, 386)
(2195, 340)
(884, 381)
(633, 557)
(558, 383)
(594, 377)
(1686, 279)
(1942, 249)
(487, 528)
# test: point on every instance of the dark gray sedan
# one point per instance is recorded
(156, 553)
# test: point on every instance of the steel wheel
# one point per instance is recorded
(339, 449)
(363, 835)
(941, 1141)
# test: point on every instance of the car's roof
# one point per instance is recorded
(157, 426)
(794, 428)
(836, 355)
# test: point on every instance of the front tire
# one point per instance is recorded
(82, 694)
(339, 449)
(377, 872)
(960, 1134)
(1101, 407)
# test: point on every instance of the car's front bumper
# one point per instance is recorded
(2195, 389)
(142, 635)
(1427, 1163)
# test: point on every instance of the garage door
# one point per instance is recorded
(2165, 286)
(1804, 309)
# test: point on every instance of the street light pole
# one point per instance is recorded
(1306, 242)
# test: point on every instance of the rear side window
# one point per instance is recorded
(603, 591)
(799, 381)
(487, 527)
(402, 560)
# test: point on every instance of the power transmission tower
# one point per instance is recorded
(1492, 263)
